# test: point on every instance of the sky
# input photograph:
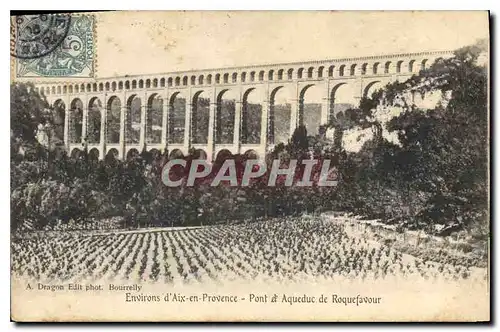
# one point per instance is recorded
(148, 42)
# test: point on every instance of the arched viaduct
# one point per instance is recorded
(237, 110)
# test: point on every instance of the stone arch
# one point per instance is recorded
(300, 72)
(127, 85)
(331, 70)
(148, 83)
(101, 86)
(113, 113)
(94, 154)
(341, 99)
(243, 77)
(111, 156)
(177, 81)
(217, 78)
(261, 75)
(423, 64)
(200, 154)
(70, 89)
(176, 154)
(162, 82)
(411, 66)
(225, 116)
(364, 67)
(270, 75)
(252, 76)
(209, 79)
(320, 71)
(251, 154)
(290, 74)
(133, 119)
(177, 118)
(226, 78)
(59, 118)
(310, 72)
(353, 69)
(387, 67)
(155, 83)
(399, 65)
(201, 80)
(309, 113)
(303, 90)
(370, 88)
(154, 119)
(141, 84)
(251, 117)
(170, 82)
(134, 84)
(280, 75)
(120, 85)
(342, 70)
(222, 156)
(76, 153)
(132, 154)
(76, 121)
(193, 80)
(82, 87)
(107, 86)
(280, 110)
(375, 68)
(94, 120)
(200, 118)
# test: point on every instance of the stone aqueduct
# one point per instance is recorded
(228, 110)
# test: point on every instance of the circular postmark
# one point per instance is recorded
(38, 35)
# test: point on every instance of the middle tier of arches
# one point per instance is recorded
(228, 116)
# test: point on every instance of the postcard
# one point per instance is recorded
(250, 166)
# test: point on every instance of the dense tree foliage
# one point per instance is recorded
(437, 172)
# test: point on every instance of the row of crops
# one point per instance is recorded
(273, 250)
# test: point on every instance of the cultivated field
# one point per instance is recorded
(275, 251)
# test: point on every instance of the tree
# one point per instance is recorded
(299, 143)
(440, 165)
(27, 112)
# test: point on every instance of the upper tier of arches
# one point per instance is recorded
(371, 66)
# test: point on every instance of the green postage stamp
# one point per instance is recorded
(54, 45)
